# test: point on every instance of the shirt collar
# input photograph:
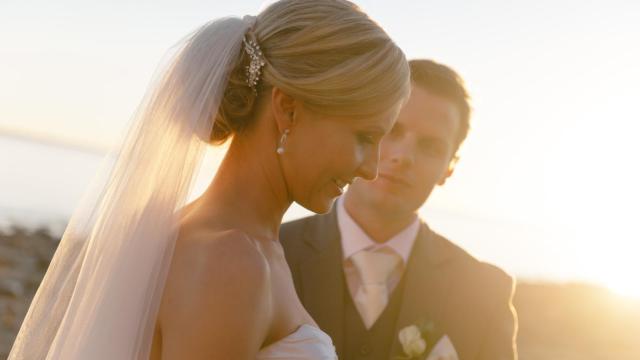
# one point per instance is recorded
(354, 239)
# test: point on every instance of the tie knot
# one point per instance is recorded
(375, 266)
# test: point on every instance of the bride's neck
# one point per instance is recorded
(249, 191)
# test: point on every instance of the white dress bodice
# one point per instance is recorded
(307, 342)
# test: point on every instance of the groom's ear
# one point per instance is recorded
(284, 109)
(450, 169)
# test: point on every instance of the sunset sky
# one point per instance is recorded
(548, 181)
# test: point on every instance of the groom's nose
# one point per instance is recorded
(399, 152)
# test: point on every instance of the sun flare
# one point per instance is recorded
(625, 289)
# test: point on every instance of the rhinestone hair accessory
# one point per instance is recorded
(254, 69)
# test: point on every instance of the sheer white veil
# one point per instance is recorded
(100, 296)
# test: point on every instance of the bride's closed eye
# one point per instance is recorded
(370, 136)
(366, 138)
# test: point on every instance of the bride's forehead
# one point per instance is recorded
(382, 121)
(377, 123)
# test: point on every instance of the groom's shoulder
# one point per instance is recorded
(301, 237)
(472, 270)
(298, 225)
(295, 229)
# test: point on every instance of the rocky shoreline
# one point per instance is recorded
(24, 258)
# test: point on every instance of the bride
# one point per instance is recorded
(304, 91)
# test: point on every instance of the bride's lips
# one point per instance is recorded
(340, 185)
(396, 180)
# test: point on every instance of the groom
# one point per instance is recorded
(371, 268)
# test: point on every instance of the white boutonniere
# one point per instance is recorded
(414, 340)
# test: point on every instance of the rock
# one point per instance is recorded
(12, 287)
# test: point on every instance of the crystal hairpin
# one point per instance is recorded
(254, 69)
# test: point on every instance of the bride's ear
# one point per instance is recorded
(284, 109)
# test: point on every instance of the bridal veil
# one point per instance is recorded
(100, 297)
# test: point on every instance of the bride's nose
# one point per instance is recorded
(368, 168)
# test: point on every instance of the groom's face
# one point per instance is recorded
(415, 156)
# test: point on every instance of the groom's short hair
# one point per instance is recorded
(443, 81)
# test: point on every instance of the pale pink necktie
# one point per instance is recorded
(374, 268)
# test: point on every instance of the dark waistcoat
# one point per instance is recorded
(375, 343)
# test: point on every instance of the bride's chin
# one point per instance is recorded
(319, 206)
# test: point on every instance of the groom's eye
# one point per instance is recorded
(432, 147)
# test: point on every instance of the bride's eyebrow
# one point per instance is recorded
(373, 128)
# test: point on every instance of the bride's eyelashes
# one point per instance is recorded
(369, 137)
(366, 138)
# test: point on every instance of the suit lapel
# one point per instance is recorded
(426, 286)
(323, 277)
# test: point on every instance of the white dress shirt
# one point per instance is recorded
(354, 239)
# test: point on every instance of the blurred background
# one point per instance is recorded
(546, 187)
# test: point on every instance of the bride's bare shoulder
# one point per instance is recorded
(206, 246)
(208, 252)
(217, 295)
(201, 238)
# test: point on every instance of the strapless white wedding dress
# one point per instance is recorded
(307, 342)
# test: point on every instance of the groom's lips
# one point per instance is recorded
(396, 180)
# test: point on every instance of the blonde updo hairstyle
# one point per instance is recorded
(326, 53)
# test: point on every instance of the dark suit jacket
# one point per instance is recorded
(466, 299)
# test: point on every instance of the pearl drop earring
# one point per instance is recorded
(283, 142)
